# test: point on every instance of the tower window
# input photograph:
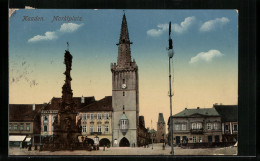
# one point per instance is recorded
(123, 93)
(124, 81)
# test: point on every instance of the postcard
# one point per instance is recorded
(123, 82)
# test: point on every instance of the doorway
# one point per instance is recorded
(124, 142)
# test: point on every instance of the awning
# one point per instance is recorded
(17, 137)
(28, 139)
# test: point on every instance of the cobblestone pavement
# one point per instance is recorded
(157, 150)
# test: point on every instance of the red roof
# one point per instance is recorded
(23, 112)
(105, 104)
(55, 101)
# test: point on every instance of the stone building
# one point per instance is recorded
(50, 110)
(125, 93)
(229, 121)
(161, 129)
(23, 122)
(201, 125)
(143, 135)
(96, 121)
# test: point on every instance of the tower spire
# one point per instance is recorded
(124, 53)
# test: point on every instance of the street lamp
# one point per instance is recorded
(170, 55)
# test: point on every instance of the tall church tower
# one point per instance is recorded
(125, 93)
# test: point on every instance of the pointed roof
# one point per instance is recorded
(123, 117)
(160, 118)
(124, 35)
(124, 51)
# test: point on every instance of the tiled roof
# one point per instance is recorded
(199, 111)
(228, 113)
(55, 102)
(23, 112)
(104, 104)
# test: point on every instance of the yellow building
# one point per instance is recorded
(96, 122)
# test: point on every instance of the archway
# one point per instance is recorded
(104, 142)
(89, 141)
(124, 142)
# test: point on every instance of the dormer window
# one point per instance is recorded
(82, 99)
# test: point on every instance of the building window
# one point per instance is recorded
(91, 129)
(10, 126)
(200, 139)
(177, 127)
(226, 127)
(234, 127)
(21, 127)
(106, 129)
(123, 93)
(84, 116)
(215, 126)
(84, 129)
(45, 118)
(199, 125)
(123, 81)
(15, 127)
(99, 116)
(193, 126)
(45, 128)
(28, 127)
(194, 139)
(53, 118)
(106, 116)
(92, 116)
(123, 124)
(183, 126)
(209, 126)
(99, 129)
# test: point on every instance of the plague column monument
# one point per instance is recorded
(66, 130)
(125, 93)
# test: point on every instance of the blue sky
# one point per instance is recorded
(205, 61)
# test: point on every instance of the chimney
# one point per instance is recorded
(33, 107)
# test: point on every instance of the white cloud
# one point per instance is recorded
(47, 36)
(212, 24)
(51, 35)
(206, 56)
(69, 27)
(161, 28)
(184, 25)
(159, 31)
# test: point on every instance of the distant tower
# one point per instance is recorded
(125, 96)
(161, 129)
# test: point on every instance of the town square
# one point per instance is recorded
(116, 82)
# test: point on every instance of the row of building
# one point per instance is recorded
(218, 124)
(35, 121)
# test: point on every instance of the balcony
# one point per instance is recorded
(196, 131)
(95, 133)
